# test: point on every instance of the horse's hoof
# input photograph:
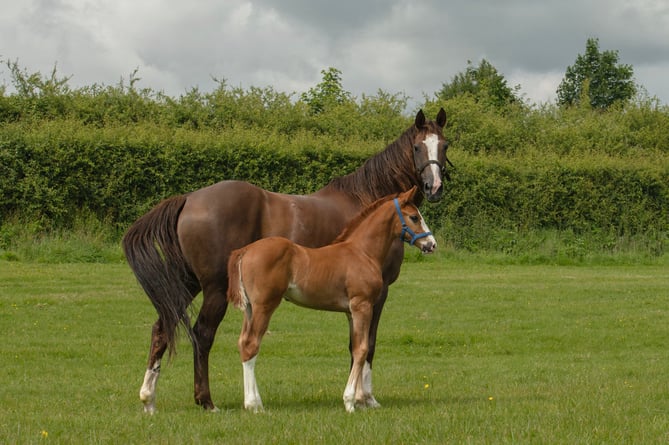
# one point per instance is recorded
(372, 403)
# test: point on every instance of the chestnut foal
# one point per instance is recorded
(345, 276)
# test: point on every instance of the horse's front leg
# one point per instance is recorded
(370, 401)
(354, 393)
(147, 393)
(391, 271)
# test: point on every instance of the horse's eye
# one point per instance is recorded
(445, 146)
(416, 147)
(414, 218)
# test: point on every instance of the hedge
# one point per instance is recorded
(52, 172)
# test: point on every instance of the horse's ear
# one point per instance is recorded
(420, 119)
(441, 118)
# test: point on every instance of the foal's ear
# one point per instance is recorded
(420, 119)
(409, 194)
(441, 118)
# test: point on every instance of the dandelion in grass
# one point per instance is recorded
(44, 434)
(427, 386)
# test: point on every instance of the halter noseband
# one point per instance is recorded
(406, 229)
(442, 167)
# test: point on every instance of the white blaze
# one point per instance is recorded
(423, 225)
(432, 144)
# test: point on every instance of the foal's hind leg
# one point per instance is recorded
(147, 393)
(213, 310)
(256, 321)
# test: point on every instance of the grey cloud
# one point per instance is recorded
(410, 46)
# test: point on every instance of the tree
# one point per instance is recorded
(483, 82)
(327, 93)
(598, 77)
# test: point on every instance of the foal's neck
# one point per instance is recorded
(376, 233)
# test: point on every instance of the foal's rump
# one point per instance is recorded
(269, 259)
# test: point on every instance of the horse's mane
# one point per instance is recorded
(387, 172)
(361, 216)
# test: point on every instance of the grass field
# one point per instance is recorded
(468, 353)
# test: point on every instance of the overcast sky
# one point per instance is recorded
(399, 46)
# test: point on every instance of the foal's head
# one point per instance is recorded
(429, 153)
(414, 229)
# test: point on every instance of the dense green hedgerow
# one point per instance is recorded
(110, 153)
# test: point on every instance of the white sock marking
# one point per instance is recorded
(147, 393)
(252, 399)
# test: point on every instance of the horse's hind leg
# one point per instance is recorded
(213, 310)
(147, 392)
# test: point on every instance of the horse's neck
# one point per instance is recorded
(388, 172)
(375, 234)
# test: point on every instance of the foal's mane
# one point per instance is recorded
(389, 171)
(360, 217)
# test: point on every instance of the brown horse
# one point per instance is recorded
(182, 245)
(345, 276)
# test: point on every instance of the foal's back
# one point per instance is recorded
(318, 278)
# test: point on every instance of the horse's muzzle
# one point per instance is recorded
(433, 196)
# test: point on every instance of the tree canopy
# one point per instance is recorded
(483, 82)
(327, 93)
(597, 77)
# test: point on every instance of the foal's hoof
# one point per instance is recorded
(255, 408)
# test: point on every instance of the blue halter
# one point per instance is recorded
(405, 229)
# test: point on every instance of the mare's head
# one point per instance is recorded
(429, 154)
(414, 229)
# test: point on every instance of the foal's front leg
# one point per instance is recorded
(359, 320)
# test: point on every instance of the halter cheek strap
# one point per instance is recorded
(406, 229)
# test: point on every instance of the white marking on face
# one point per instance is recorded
(432, 144)
(425, 228)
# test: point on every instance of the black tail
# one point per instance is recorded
(151, 246)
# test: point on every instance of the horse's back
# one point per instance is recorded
(228, 215)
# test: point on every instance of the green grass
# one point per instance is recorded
(467, 353)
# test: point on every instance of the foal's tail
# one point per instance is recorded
(236, 292)
(151, 246)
